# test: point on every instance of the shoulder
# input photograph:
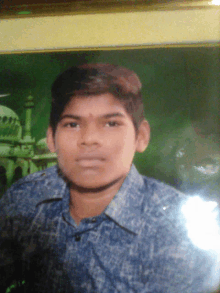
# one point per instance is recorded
(40, 176)
(162, 209)
(35, 187)
(37, 179)
(161, 195)
(179, 241)
(160, 187)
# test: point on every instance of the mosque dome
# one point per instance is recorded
(10, 126)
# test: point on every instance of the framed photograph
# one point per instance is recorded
(173, 46)
(173, 49)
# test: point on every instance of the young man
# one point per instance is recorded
(94, 224)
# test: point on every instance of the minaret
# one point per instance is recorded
(29, 104)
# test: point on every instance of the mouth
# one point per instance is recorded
(90, 161)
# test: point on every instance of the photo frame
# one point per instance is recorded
(173, 48)
(178, 48)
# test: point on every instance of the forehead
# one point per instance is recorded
(94, 105)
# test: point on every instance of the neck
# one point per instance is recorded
(86, 203)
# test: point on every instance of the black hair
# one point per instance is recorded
(96, 79)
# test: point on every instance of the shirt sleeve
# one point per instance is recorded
(9, 248)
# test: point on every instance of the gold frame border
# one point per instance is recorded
(109, 48)
(113, 31)
(100, 6)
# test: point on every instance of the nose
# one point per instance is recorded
(90, 136)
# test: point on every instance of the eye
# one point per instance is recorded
(71, 125)
(112, 123)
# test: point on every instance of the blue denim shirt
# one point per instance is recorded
(138, 244)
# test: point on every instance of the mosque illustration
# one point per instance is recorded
(20, 154)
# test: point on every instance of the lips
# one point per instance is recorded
(90, 160)
(90, 157)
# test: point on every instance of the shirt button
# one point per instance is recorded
(77, 237)
(93, 220)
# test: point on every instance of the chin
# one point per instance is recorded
(90, 181)
(90, 187)
(93, 186)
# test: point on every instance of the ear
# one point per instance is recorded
(50, 140)
(143, 136)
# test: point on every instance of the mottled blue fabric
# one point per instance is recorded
(138, 244)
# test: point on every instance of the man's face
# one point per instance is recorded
(95, 141)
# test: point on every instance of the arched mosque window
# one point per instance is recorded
(3, 180)
(17, 174)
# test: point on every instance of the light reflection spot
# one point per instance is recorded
(201, 223)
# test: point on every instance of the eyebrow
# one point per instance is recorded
(116, 114)
(106, 116)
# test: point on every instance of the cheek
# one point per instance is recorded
(115, 144)
(122, 148)
(64, 142)
(65, 153)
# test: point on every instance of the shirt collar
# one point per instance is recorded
(125, 208)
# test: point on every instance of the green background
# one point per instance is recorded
(180, 92)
